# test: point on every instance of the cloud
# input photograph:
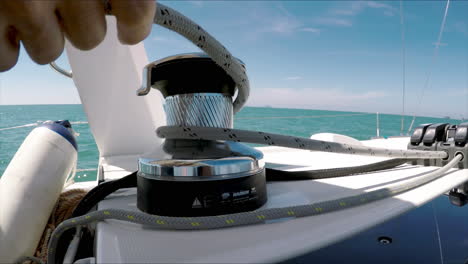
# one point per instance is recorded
(310, 29)
(292, 78)
(461, 27)
(351, 10)
(178, 42)
(357, 7)
(197, 3)
(286, 26)
(361, 53)
(343, 16)
(441, 44)
(160, 39)
(375, 4)
(333, 21)
(275, 19)
(313, 98)
(283, 25)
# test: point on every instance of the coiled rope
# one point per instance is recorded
(63, 210)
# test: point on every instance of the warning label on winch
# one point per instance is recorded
(238, 197)
(196, 203)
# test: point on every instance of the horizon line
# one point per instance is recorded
(268, 106)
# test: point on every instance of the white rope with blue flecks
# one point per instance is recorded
(175, 21)
(257, 137)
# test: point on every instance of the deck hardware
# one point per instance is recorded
(385, 240)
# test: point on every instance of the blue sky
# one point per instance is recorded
(310, 54)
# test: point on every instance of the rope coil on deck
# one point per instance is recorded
(63, 210)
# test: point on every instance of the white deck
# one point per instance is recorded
(119, 242)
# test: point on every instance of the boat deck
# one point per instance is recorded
(131, 243)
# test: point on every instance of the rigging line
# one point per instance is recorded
(15, 127)
(438, 233)
(403, 58)
(312, 116)
(466, 66)
(431, 65)
(40, 122)
(81, 170)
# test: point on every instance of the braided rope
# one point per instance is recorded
(63, 210)
(175, 21)
(238, 135)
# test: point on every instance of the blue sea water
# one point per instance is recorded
(297, 122)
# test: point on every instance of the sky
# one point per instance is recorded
(327, 55)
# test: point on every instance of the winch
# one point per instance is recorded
(201, 177)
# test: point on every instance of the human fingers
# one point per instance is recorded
(134, 19)
(83, 22)
(9, 47)
(37, 28)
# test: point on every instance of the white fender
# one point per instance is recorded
(29, 189)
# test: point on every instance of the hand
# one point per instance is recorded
(42, 25)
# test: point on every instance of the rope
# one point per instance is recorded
(90, 169)
(431, 65)
(403, 60)
(280, 175)
(466, 73)
(30, 259)
(15, 127)
(38, 123)
(312, 116)
(175, 21)
(256, 137)
(101, 191)
(63, 209)
(244, 218)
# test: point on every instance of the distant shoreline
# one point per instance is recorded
(348, 111)
(272, 107)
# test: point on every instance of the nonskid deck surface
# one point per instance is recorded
(273, 241)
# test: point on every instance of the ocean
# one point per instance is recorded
(297, 122)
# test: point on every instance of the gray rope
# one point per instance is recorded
(244, 218)
(213, 133)
(175, 21)
(273, 174)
